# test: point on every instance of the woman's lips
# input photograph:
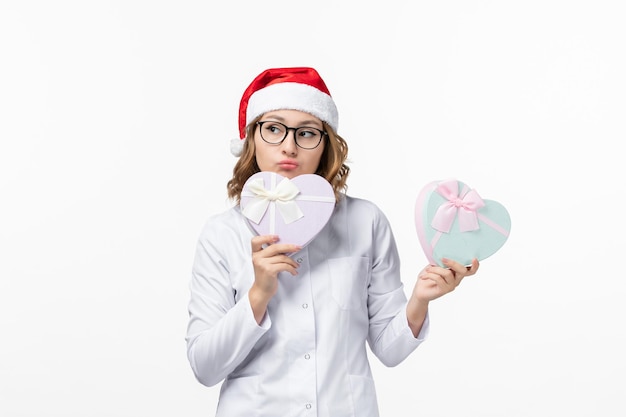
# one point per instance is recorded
(288, 165)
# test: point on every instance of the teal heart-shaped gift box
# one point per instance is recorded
(454, 222)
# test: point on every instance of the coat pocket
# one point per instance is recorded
(348, 281)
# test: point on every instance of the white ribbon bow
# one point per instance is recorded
(283, 196)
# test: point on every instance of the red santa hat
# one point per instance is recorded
(298, 88)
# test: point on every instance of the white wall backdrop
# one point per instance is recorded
(115, 121)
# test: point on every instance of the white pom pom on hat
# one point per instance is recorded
(296, 88)
(236, 146)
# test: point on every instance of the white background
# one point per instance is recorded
(115, 122)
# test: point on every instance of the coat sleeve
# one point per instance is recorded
(389, 336)
(222, 330)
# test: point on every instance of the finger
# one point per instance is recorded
(461, 271)
(453, 265)
(474, 267)
(471, 269)
(258, 242)
(439, 275)
(272, 265)
(280, 248)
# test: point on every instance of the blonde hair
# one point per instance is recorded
(332, 164)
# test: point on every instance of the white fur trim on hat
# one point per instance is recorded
(293, 96)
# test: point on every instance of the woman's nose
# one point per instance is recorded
(289, 144)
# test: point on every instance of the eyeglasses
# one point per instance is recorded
(305, 137)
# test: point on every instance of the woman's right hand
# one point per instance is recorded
(268, 258)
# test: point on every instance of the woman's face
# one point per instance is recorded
(286, 158)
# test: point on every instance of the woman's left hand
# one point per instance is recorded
(435, 281)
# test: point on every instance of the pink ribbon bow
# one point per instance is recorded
(465, 207)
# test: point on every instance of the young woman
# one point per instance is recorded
(287, 334)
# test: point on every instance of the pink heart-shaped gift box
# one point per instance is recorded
(294, 209)
(454, 222)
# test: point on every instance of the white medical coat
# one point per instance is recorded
(308, 356)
